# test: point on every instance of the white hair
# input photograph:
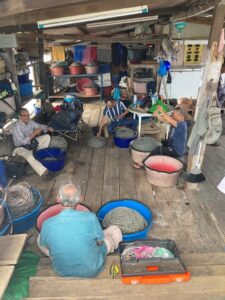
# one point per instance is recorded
(69, 195)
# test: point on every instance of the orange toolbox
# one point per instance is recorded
(152, 270)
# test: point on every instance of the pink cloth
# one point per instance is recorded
(90, 55)
(112, 237)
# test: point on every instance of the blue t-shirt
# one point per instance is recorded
(71, 238)
(178, 138)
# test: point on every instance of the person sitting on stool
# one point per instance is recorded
(74, 239)
(175, 146)
(25, 132)
(113, 116)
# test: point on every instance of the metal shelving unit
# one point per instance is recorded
(81, 76)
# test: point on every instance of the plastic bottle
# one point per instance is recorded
(154, 99)
(135, 99)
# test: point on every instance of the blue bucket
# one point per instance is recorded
(130, 203)
(3, 177)
(57, 155)
(24, 78)
(122, 142)
(26, 222)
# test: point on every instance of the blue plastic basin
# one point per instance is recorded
(122, 142)
(6, 226)
(130, 203)
(24, 223)
(55, 153)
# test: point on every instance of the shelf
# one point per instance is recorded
(78, 76)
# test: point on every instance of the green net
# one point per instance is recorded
(19, 284)
(159, 103)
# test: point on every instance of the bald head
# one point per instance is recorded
(69, 195)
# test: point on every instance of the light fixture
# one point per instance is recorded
(103, 15)
(121, 22)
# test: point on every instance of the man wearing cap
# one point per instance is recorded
(175, 146)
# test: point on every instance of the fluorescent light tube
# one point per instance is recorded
(104, 15)
(123, 21)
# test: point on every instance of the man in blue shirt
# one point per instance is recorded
(175, 146)
(113, 116)
(75, 240)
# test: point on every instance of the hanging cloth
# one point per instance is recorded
(58, 53)
(79, 53)
(90, 55)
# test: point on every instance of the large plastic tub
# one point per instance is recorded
(162, 170)
(24, 223)
(5, 227)
(26, 88)
(3, 177)
(122, 142)
(54, 210)
(130, 203)
(53, 158)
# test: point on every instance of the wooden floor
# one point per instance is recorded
(194, 219)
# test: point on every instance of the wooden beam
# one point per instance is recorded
(199, 20)
(217, 23)
(32, 17)
(91, 38)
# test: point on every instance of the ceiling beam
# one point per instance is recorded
(78, 8)
(89, 38)
(199, 20)
(217, 23)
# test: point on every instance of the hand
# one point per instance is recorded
(118, 117)
(155, 114)
(35, 133)
(50, 129)
(160, 109)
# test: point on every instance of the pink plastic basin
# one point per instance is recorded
(54, 210)
(56, 71)
(162, 170)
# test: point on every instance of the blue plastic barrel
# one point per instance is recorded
(53, 158)
(3, 177)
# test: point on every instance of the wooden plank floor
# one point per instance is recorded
(195, 220)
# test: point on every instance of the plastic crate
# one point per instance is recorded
(154, 270)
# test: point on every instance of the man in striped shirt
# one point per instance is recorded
(113, 116)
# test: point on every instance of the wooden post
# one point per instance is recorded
(42, 68)
(217, 23)
(209, 86)
(207, 93)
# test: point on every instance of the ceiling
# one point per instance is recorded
(22, 16)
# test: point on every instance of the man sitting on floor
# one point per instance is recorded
(113, 116)
(175, 146)
(75, 240)
(27, 137)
